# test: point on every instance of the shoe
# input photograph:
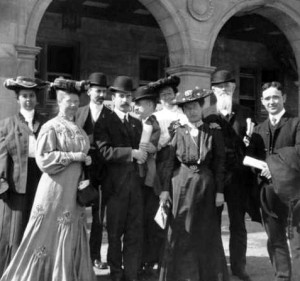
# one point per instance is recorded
(100, 265)
(242, 275)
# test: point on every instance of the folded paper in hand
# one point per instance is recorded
(161, 217)
(255, 163)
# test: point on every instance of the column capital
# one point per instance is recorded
(27, 52)
(192, 75)
(198, 70)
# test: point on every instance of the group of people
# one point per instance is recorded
(185, 160)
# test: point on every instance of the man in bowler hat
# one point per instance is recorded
(88, 117)
(238, 181)
(118, 138)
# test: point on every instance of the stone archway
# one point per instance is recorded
(282, 14)
(163, 11)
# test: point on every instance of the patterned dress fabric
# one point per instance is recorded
(55, 243)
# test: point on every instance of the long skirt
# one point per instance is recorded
(194, 250)
(14, 215)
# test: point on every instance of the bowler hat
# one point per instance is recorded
(22, 82)
(144, 92)
(191, 95)
(222, 76)
(98, 79)
(122, 84)
(170, 81)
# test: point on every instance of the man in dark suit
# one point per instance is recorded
(277, 141)
(88, 117)
(238, 181)
(118, 137)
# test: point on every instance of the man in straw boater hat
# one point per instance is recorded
(118, 138)
(88, 117)
(239, 180)
(18, 170)
(277, 141)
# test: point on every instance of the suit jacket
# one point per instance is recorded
(234, 129)
(84, 120)
(14, 144)
(265, 146)
(115, 144)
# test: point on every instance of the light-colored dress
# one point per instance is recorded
(55, 243)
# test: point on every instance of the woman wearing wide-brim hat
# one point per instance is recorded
(19, 174)
(194, 248)
(55, 243)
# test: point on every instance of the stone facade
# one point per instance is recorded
(188, 36)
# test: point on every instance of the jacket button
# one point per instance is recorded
(266, 149)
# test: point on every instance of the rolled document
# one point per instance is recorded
(250, 126)
(146, 134)
(255, 163)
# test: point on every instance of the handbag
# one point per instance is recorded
(86, 192)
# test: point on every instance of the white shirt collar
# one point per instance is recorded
(96, 107)
(277, 116)
(120, 114)
(28, 115)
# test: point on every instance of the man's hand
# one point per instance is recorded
(219, 199)
(148, 146)
(88, 160)
(265, 172)
(165, 198)
(140, 155)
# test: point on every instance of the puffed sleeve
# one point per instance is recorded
(48, 157)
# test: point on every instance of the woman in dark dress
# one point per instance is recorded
(19, 173)
(194, 250)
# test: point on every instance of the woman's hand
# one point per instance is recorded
(88, 160)
(165, 198)
(219, 199)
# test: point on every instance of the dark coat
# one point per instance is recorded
(115, 145)
(234, 129)
(14, 141)
(84, 120)
(264, 147)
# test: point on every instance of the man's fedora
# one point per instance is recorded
(122, 84)
(98, 79)
(144, 92)
(222, 76)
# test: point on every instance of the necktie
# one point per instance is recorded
(273, 121)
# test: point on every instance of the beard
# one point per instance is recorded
(224, 103)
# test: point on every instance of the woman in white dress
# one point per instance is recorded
(55, 243)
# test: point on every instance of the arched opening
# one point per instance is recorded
(254, 44)
(115, 37)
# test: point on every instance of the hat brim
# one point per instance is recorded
(14, 85)
(116, 89)
(145, 97)
(222, 81)
(187, 100)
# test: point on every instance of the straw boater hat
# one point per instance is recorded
(22, 82)
(191, 95)
(170, 81)
(222, 76)
(123, 84)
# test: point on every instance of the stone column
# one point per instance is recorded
(192, 76)
(15, 60)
